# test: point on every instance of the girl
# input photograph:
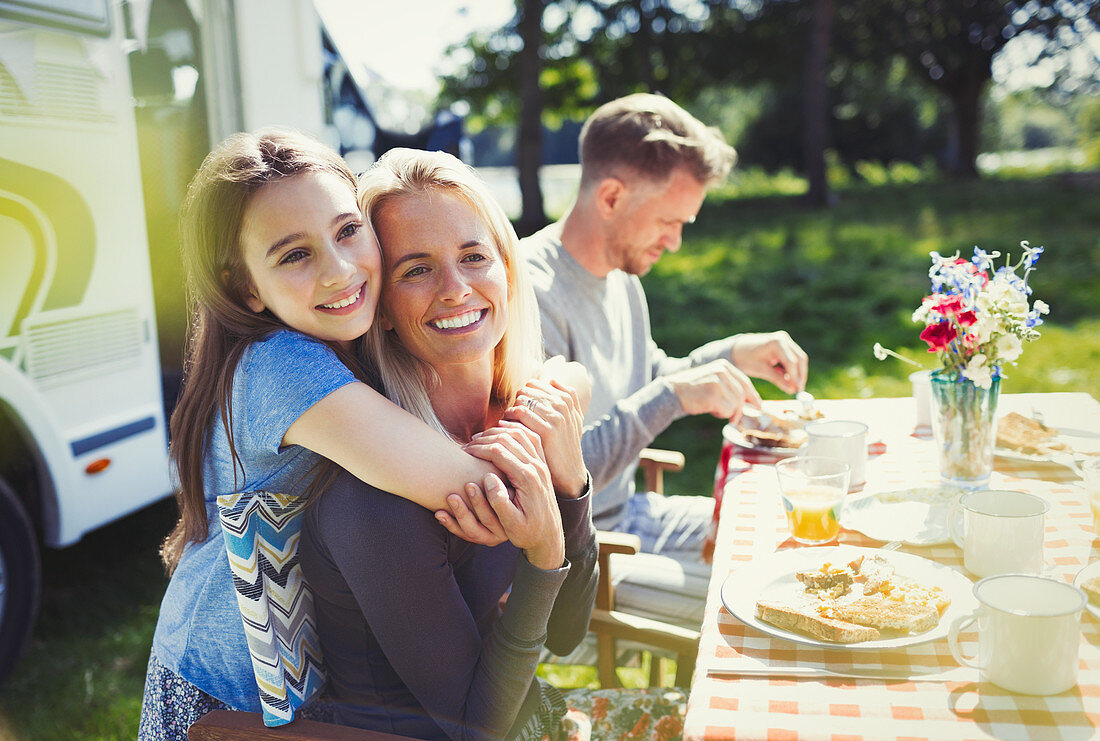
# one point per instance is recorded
(284, 278)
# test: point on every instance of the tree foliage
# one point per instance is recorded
(951, 45)
(595, 50)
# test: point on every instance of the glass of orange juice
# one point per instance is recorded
(813, 490)
(1090, 472)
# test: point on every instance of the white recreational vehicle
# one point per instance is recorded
(83, 437)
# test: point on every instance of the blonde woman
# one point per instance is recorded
(415, 640)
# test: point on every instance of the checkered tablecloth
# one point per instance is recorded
(959, 706)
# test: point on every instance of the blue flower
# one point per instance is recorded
(984, 260)
(1031, 254)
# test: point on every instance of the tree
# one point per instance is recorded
(951, 44)
(529, 146)
(507, 82)
(815, 107)
(684, 48)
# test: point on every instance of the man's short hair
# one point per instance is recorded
(649, 135)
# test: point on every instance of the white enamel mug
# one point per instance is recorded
(841, 439)
(1029, 632)
(1000, 532)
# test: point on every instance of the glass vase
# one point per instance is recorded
(963, 426)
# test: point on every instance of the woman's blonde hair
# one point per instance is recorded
(400, 173)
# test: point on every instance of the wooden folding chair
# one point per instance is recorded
(610, 624)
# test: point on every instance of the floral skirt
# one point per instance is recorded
(171, 704)
(655, 713)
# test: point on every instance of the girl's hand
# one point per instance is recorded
(472, 518)
(553, 411)
(531, 519)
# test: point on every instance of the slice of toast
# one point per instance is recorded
(1026, 435)
(885, 614)
(806, 619)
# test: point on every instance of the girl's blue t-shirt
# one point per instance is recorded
(199, 633)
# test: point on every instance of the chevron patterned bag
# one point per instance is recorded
(262, 531)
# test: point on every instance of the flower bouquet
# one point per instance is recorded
(975, 319)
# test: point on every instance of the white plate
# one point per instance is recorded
(917, 516)
(773, 578)
(735, 436)
(1093, 569)
(1082, 444)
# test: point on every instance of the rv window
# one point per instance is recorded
(89, 16)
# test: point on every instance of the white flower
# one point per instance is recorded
(1008, 348)
(880, 352)
(978, 372)
(984, 328)
(1041, 306)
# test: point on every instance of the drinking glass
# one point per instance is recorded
(813, 489)
(843, 439)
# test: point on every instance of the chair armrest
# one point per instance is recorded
(654, 462)
(231, 725)
(684, 642)
(612, 542)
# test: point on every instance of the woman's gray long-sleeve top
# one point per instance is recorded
(414, 640)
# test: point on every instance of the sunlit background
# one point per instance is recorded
(869, 133)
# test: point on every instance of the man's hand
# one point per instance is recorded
(772, 356)
(715, 388)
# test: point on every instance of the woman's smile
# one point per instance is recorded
(446, 287)
(466, 321)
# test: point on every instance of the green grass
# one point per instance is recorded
(83, 673)
(837, 280)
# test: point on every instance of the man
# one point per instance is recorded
(645, 167)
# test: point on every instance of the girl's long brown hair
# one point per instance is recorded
(222, 325)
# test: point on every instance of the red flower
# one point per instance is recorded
(966, 318)
(939, 336)
(948, 305)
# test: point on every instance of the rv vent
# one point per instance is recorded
(60, 352)
(62, 92)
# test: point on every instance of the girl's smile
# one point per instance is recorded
(346, 305)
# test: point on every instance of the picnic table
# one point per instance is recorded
(953, 703)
